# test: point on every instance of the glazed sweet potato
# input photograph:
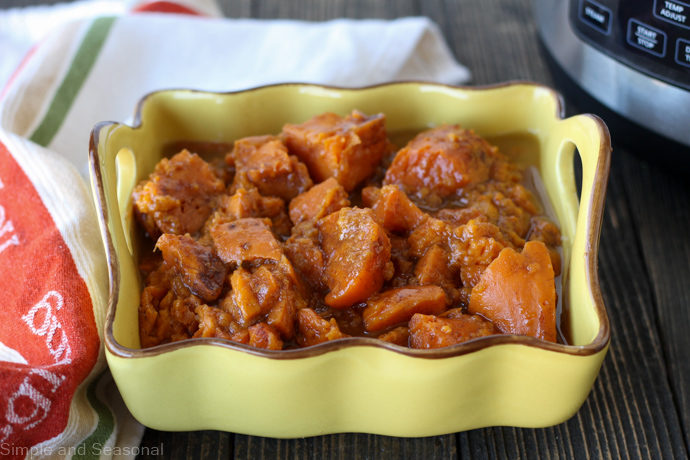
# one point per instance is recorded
(200, 268)
(321, 233)
(441, 161)
(177, 198)
(321, 200)
(245, 240)
(393, 209)
(358, 253)
(428, 331)
(263, 162)
(396, 306)
(249, 203)
(517, 292)
(398, 336)
(313, 329)
(303, 250)
(262, 335)
(348, 149)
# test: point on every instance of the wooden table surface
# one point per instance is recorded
(640, 404)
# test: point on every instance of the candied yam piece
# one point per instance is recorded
(480, 207)
(245, 240)
(304, 252)
(182, 312)
(432, 267)
(428, 331)
(474, 246)
(517, 292)
(403, 262)
(244, 304)
(249, 203)
(313, 329)
(153, 330)
(177, 197)
(287, 301)
(271, 293)
(397, 306)
(173, 317)
(319, 201)
(504, 170)
(393, 209)
(431, 232)
(200, 269)
(357, 252)
(511, 218)
(542, 229)
(348, 149)
(262, 335)
(398, 336)
(215, 322)
(441, 161)
(263, 162)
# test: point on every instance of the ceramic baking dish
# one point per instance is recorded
(359, 384)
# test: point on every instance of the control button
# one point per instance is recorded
(646, 38)
(683, 52)
(595, 15)
(672, 11)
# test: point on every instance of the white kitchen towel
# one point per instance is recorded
(73, 66)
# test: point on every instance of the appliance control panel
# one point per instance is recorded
(652, 36)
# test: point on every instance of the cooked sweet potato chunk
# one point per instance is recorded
(263, 162)
(215, 322)
(437, 245)
(542, 229)
(262, 335)
(165, 316)
(517, 292)
(348, 149)
(321, 200)
(393, 209)
(397, 306)
(358, 254)
(475, 245)
(304, 252)
(432, 232)
(177, 197)
(313, 329)
(249, 203)
(399, 336)
(244, 305)
(441, 161)
(198, 266)
(428, 331)
(245, 240)
(270, 293)
(433, 268)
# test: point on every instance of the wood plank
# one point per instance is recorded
(350, 446)
(496, 39)
(319, 10)
(660, 208)
(199, 445)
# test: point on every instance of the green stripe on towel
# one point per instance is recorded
(93, 446)
(76, 75)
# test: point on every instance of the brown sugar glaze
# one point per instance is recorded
(398, 281)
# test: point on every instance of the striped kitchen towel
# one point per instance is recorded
(92, 61)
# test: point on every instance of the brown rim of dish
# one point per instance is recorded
(594, 219)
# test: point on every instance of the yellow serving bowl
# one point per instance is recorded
(359, 384)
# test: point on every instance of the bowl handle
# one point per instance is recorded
(589, 135)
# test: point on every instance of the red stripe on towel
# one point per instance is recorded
(49, 308)
(165, 7)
